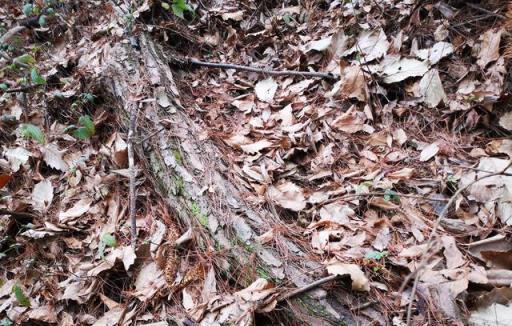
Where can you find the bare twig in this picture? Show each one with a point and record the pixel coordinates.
(10, 33)
(307, 287)
(263, 70)
(17, 215)
(22, 89)
(425, 256)
(131, 167)
(154, 133)
(382, 194)
(492, 13)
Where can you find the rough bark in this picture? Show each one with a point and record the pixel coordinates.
(190, 173)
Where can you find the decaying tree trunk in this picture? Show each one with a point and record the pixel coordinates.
(190, 173)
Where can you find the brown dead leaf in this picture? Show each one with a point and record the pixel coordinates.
(490, 48)
(350, 121)
(4, 180)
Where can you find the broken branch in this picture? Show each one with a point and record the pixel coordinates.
(265, 71)
(131, 164)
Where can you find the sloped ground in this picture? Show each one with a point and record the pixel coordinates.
(248, 182)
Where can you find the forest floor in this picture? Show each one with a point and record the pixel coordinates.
(372, 188)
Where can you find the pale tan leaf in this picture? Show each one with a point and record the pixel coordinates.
(17, 156)
(490, 47)
(359, 280)
(403, 69)
(266, 89)
(429, 152)
(42, 195)
(256, 147)
(79, 208)
(431, 89)
(287, 195)
(53, 157)
(506, 121)
(452, 254)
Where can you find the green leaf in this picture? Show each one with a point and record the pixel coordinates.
(390, 195)
(87, 128)
(109, 240)
(177, 11)
(42, 20)
(166, 6)
(27, 9)
(6, 322)
(82, 133)
(179, 7)
(26, 59)
(20, 296)
(30, 131)
(88, 97)
(36, 10)
(4, 86)
(36, 77)
(87, 122)
(106, 240)
(377, 255)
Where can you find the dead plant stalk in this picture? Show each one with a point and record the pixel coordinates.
(131, 167)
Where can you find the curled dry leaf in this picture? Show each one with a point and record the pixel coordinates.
(287, 195)
(429, 152)
(359, 280)
(350, 121)
(79, 208)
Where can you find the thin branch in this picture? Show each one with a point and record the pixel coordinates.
(10, 33)
(307, 287)
(492, 13)
(17, 215)
(131, 167)
(263, 70)
(425, 256)
(382, 194)
(22, 89)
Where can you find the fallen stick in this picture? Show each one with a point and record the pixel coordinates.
(425, 256)
(131, 164)
(265, 71)
(10, 33)
(307, 287)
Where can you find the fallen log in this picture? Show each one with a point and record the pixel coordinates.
(191, 175)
